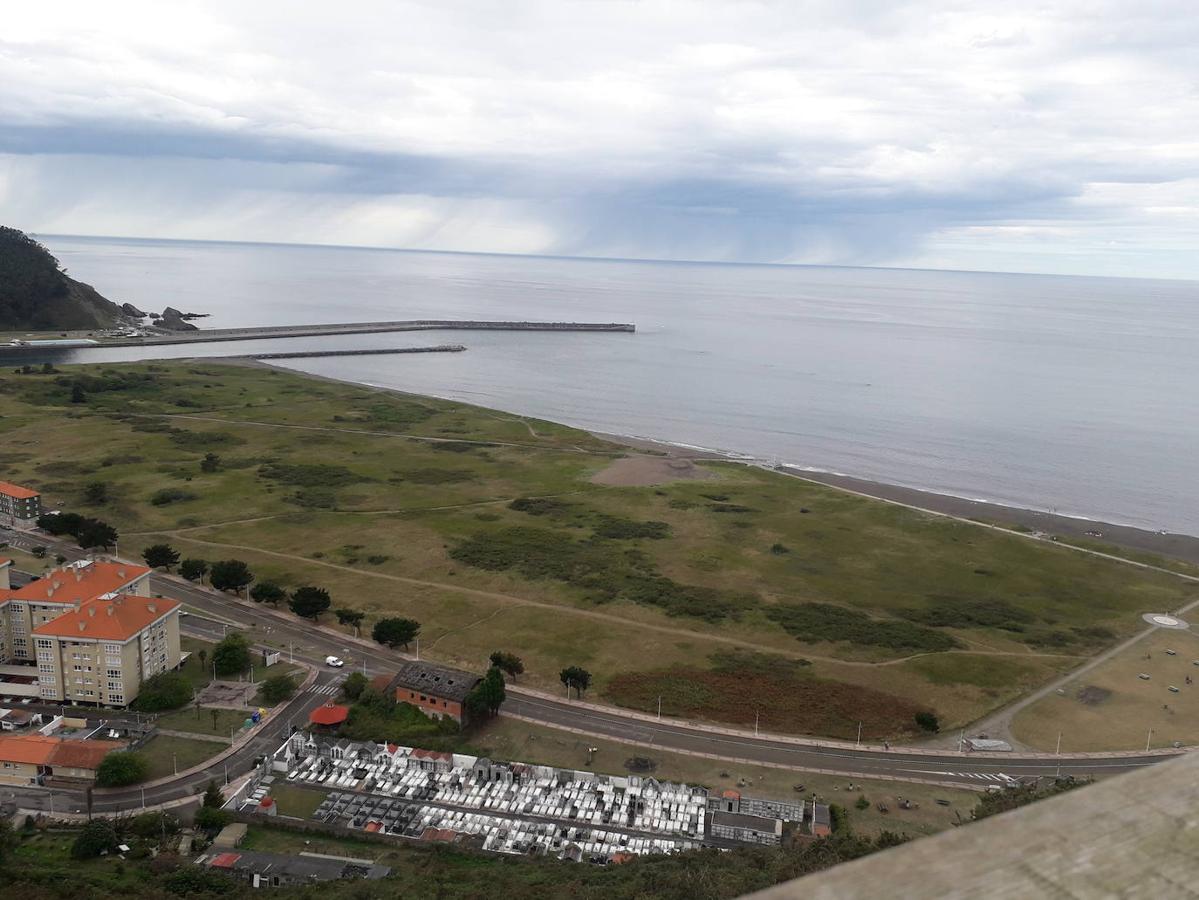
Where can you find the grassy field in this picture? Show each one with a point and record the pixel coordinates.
(510, 739)
(163, 752)
(203, 721)
(488, 529)
(1112, 708)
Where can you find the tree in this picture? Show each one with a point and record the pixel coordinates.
(309, 602)
(161, 556)
(62, 523)
(8, 838)
(353, 686)
(121, 768)
(230, 575)
(277, 688)
(393, 632)
(575, 677)
(96, 837)
(96, 493)
(508, 663)
(166, 690)
(232, 655)
(351, 617)
(77, 394)
(211, 819)
(210, 463)
(94, 533)
(212, 796)
(193, 569)
(490, 691)
(928, 721)
(267, 592)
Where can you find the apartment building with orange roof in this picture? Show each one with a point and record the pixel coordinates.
(59, 590)
(93, 632)
(19, 506)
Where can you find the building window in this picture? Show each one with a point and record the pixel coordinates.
(114, 685)
(114, 660)
(116, 698)
(114, 673)
(48, 679)
(112, 648)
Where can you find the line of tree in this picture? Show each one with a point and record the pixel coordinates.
(351, 617)
(87, 532)
(394, 632)
(230, 575)
(161, 556)
(193, 569)
(309, 602)
(508, 663)
(486, 697)
(267, 592)
(575, 677)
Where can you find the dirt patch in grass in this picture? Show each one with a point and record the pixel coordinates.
(784, 697)
(639, 471)
(1093, 695)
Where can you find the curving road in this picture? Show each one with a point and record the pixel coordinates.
(211, 613)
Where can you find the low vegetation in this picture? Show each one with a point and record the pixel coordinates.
(774, 693)
(490, 531)
(377, 717)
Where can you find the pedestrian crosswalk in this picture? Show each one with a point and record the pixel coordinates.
(329, 689)
(993, 777)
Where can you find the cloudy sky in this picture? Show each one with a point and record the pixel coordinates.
(1017, 136)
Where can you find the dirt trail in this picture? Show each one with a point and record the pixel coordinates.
(495, 596)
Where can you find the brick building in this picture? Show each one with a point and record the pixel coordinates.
(435, 690)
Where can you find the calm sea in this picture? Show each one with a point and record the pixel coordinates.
(1079, 395)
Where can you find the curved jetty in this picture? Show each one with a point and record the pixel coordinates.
(287, 331)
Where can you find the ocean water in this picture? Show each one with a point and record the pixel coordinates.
(1076, 395)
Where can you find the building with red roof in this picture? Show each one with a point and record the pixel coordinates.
(330, 715)
(19, 505)
(33, 758)
(92, 630)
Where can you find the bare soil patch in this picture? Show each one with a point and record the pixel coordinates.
(641, 471)
(1093, 695)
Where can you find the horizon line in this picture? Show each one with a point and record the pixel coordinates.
(573, 257)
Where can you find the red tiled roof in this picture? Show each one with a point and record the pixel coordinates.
(17, 491)
(225, 860)
(266, 803)
(329, 714)
(75, 585)
(40, 750)
(731, 795)
(82, 754)
(31, 749)
(430, 754)
(120, 618)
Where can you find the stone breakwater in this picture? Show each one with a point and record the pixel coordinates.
(287, 331)
(443, 348)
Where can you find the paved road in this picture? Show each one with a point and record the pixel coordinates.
(308, 644)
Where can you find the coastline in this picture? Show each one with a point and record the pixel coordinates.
(1181, 547)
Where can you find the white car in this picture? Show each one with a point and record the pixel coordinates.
(334, 662)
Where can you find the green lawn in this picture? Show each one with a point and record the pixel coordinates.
(203, 721)
(163, 752)
(617, 579)
(296, 802)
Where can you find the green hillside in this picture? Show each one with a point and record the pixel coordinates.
(36, 294)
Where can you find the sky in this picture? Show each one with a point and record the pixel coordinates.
(1016, 136)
